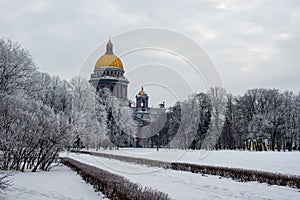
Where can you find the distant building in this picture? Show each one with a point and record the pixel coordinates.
(109, 73)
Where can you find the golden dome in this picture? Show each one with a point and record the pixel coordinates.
(142, 91)
(109, 59)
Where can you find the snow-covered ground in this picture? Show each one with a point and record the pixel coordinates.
(60, 183)
(186, 185)
(280, 162)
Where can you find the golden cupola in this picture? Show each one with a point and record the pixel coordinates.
(109, 59)
(142, 91)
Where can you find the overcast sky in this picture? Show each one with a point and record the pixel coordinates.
(252, 43)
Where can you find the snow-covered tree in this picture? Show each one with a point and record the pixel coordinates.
(226, 140)
(218, 103)
(204, 119)
(189, 120)
(16, 68)
(84, 114)
(34, 118)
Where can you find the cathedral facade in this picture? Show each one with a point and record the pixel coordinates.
(109, 73)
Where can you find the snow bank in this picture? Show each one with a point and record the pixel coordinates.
(59, 183)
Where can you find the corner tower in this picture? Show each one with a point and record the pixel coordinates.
(142, 100)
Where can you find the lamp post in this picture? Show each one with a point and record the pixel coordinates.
(157, 142)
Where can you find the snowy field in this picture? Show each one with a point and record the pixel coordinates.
(61, 183)
(280, 162)
(186, 185)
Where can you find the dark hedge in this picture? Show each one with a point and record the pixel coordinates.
(141, 161)
(234, 173)
(115, 187)
(241, 174)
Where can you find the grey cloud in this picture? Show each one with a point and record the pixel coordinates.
(60, 34)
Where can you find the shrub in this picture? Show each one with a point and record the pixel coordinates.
(4, 180)
(141, 161)
(241, 174)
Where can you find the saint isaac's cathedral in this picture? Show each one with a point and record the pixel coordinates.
(109, 73)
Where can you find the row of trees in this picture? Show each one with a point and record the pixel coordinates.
(34, 111)
(261, 119)
(40, 115)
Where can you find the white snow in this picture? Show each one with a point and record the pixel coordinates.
(186, 185)
(60, 183)
(279, 162)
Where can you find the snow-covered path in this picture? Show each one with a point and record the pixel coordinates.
(61, 183)
(186, 185)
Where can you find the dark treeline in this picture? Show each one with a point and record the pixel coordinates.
(260, 120)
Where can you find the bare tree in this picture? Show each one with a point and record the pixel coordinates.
(34, 112)
(84, 116)
(218, 102)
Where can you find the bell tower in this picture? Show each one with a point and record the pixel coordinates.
(142, 101)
